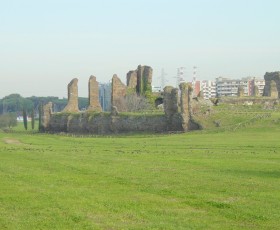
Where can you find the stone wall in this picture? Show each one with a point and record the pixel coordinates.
(171, 108)
(240, 91)
(131, 79)
(256, 92)
(273, 91)
(144, 79)
(249, 100)
(72, 105)
(46, 113)
(93, 96)
(140, 79)
(104, 123)
(177, 108)
(186, 108)
(175, 118)
(119, 91)
(269, 91)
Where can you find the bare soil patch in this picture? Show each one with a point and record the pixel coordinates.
(12, 141)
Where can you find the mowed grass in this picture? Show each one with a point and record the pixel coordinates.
(198, 180)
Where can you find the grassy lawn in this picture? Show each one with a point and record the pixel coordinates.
(221, 179)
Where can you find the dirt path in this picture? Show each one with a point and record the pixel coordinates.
(12, 141)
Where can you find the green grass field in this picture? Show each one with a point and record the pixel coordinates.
(222, 178)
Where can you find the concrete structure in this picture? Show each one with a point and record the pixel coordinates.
(229, 87)
(196, 88)
(208, 89)
(256, 82)
(157, 89)
(105, 91)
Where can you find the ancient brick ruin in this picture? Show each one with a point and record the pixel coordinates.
(240, 91)
(273, 91)
(272, 84)
(72, 105)
(131, 79)
(93, 91)
(46, 116)
(256, 92)
(144, 79)
(177, 114)
(118, 91)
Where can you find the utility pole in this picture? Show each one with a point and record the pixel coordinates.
(180, 76)
(194, 76)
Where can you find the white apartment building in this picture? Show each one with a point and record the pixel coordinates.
(208, 88)
(260, 83)
(229, 87)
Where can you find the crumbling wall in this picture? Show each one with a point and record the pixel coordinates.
(273, 91)
(240, 91)
(269, 89)
(171, 108)
(119, 91)
(187, 121)
(256, 92)
(93, 96)
(144, 79)
(170, 101)
(177, 117)
(105, 123)
(131, 79)
(45, 117)
(72, 105)
(140, 79)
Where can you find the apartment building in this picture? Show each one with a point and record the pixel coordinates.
(229, 87)
(260, 83)
(105, 90)
(208, 88)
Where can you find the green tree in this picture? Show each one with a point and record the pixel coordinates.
(40, 117)
(32, 119)
(8, 120)
(24, 114)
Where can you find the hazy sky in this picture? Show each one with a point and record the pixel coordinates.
(46, 43)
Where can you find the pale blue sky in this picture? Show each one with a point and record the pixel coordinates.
(44, 44)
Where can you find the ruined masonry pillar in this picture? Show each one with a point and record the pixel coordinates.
(72, 105)
(186, 92)
(170, 101)
(118, 91)
(93, 91)
(273, 91)
(46, 112)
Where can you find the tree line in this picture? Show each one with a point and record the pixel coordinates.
(15, 103)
